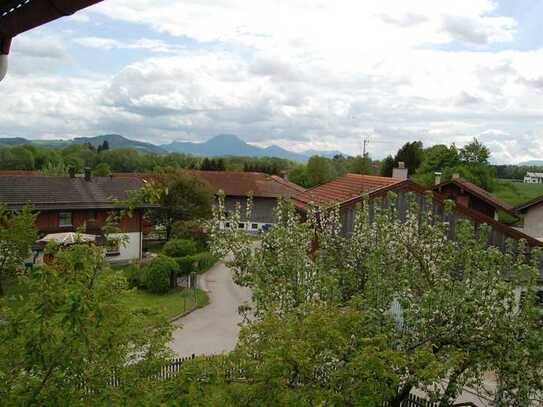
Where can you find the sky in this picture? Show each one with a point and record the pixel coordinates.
(301, 74)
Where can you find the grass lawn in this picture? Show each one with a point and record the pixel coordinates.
(173, 303)
(169, 305)
(516, 193)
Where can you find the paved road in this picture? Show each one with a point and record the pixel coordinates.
(213, 329)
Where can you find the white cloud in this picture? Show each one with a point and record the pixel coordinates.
(99, 42)
(143, 43)
(300, 74)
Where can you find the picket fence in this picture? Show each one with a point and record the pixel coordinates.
(170, 370)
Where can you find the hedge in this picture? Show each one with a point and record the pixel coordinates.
(180, 248)
(157, 275)
(197, 263)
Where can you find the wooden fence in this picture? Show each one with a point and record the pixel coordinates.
(170, 371)
(416, 401)
(498, 233)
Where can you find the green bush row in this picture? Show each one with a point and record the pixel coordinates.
(180, 248)
(196, 263)
(156, 276)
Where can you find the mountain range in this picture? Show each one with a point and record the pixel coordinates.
(532, 163)
(221, 145)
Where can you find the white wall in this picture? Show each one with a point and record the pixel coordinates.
(533, 222)
(130, 249)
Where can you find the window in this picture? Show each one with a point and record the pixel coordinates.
(112, 247)
(241, 225)
(65, 219)
(254, 226)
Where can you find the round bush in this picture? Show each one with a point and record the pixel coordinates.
(158, 274)
(192, 230)
(134, 276)
(180, 248)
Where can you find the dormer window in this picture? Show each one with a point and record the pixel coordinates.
(65, 219)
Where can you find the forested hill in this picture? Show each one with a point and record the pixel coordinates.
(218, 146)
(113, 141)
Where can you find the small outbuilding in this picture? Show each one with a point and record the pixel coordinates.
(533, 217)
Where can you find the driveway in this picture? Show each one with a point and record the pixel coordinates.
(213, 329)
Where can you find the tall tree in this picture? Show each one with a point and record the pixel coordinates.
(437, 158)
(319, 170)
(411, 154)
(387, 167)
(181, 196)
(474, 153)
(361, 165)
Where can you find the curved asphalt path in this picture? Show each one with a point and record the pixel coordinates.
(215, 328)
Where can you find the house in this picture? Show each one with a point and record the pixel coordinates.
(264, 189)
(533, 217)
(237, 187)
(469, 195)
(533, 178)
(69, 203)
(343, 192)
(344, 188)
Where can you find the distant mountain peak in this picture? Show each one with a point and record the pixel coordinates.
(220, 145)
(226, 137)
(230, 144)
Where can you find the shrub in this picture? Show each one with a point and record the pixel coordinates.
(192, 230)
(180, 248)
(134, 276)
(197, 263)
(204, 261)
(159, 273)
(185, 264)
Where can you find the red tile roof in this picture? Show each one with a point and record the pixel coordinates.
(244, 183)
(241, 184)
(345, 187)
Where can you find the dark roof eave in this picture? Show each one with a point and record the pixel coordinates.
(496, 203)
(527, 205)
(74, 206)
(21, 16)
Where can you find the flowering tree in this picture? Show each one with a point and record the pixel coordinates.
(449, 305)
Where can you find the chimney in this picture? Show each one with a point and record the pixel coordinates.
(87, 174)
(71, 172)
(400, 172)
(438, 178)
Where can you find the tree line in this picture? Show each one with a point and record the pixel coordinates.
(472, 162)
(103, 160)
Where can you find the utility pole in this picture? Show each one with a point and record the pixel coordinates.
(365, 141)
